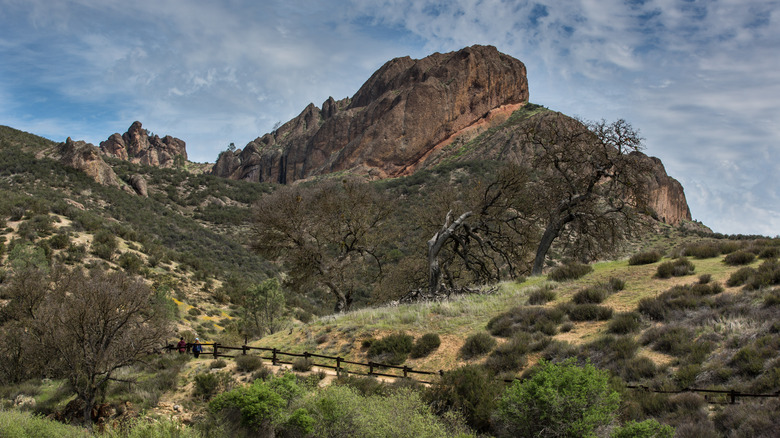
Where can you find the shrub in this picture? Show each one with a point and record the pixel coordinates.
(592, 295)
(740, 276)
(772, 298)
(616, 284)
(769, 252)
(526, 318)
(470, 390)
(130, 262)
(302, 364)
(739, 258)
(207, 385)
(729, 246)
(675, 268)
(194, 311)
(340, 411)
(654, 308)
(364, 385)
(570, 271)
(748, 420)
(510, 356)
(768, 274)
(247, 363)
(258, 405)
(425, 345)
(476, 345)
(638, 368)
(645, 258)
(218, 364)
(541, 296)
(59, 241)
(589, 312)
(646, 429)
(559, 400)
(625, 323)
(703, 250)
(674, 340)
(705, 278)
(392, 349)
(748, 361)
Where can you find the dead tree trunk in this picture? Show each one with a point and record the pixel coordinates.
(435, 244)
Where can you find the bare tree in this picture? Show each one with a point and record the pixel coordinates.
(325, 235)
(94, 323)
(587, 182)
(491, 238)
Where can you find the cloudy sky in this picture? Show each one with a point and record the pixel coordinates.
(699, 79)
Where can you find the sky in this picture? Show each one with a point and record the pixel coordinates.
(700, 80)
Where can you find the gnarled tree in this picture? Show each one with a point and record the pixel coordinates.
(325, 235)
(587, 182)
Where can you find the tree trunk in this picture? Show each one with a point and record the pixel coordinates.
(550, 234)
(435, 244)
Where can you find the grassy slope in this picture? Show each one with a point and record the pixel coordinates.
(457, 319)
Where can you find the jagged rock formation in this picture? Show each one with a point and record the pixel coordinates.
(86, 157)
(412, 114)
(139, 185)
(391, 124)
(667, 198)
(137, 146)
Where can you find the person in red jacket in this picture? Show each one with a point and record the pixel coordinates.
(182, 345)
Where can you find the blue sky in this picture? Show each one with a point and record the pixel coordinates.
(699, 79)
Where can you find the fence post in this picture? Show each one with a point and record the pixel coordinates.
(244, 348)
(441, 373)
(733, 396)
(406, 370)
(273, 359)
(216, 350)
(371, 368)
(338, 367)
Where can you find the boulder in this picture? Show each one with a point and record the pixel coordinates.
(86, 157)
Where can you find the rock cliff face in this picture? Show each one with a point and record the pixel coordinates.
(86, 157)
(391, 124)
(412, 114)
(138, 147)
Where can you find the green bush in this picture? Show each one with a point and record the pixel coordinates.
(703, 250)
(130, 262)
(340, 411)
(477, 345)
(570, 271)
(16, 424)
(257, 405)
(218, 364)
(425, 345)
(589, 312)
(670, 339)
(739, 258)
(729, 246)
(590, 295)
(541, 296)
(393, 349)
(740, 276)
(616, 284)
(302, 364)
(510, 356)
(768, 274)
(558, 400)
(645, 258)
(470, 390)
(748, 361)
(248, 363)
(646, 429)
(675, 268)
(528, 319)
(207, 385)
(59, 241)
(637, 369)
(625, 323)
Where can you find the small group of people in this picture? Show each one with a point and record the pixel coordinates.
(183, 347)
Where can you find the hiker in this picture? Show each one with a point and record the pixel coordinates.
(197, 348)
(182, 345)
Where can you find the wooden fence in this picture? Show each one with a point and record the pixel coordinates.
(375, 369)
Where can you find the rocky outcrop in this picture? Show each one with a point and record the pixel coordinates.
(86, 157)
(666, 196)
(391, 124)
(137, 146)
(138, 183)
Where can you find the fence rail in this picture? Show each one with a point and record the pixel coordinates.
(730, 394)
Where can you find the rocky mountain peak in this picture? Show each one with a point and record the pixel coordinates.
(138, 146)
(392, 123)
